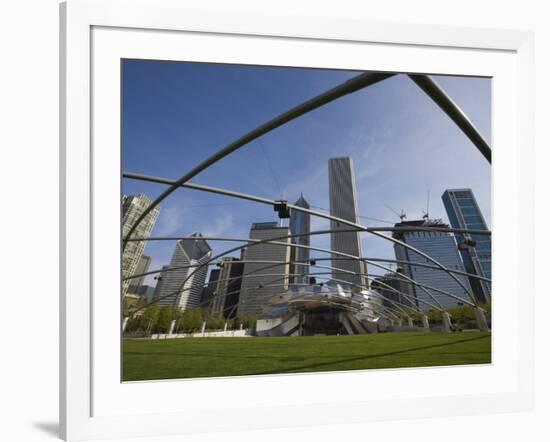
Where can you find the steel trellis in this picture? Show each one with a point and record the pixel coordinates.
(366, 259)
(424, 82)
(361, 81)
(356, 226)
(253, 242)
(349, 86)
(271, 241)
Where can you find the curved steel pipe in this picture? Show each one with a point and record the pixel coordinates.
(285, 276)
(322, 232)
(270, 202)
(357, 227)
(366, 259)
(410, 281)
(453, 111)
(354, 84)
(396, 304)
(394, 240)
(155, 301)
(271, 241)
(427, 266)
(429, 258)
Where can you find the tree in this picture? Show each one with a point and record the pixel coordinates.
(465, 316)
(196, 315)
(132, 327)
(178, 316)
(129, 305)
(186, 320)
(220, 321)
(248, 321)
(164, 320)
(191, 319)
(416, 317)
(434, 316)
(149, 318)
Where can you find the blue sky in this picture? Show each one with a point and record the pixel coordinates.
(175, 115)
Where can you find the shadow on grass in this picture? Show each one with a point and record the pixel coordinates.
(360, 358)
(190, 354)
(327, 360)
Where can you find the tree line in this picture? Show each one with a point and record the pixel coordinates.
(462, 316)
(153, 319)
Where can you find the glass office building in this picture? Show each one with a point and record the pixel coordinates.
(464, 213)
(441, 246)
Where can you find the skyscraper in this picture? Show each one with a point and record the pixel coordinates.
(160, 278)
(464, 213)
(343, 204)
(225, 298)
(208, 291)
(441, 246)
(182, 288)
(146, 291)
(255, 291)
(132, 207)
(381, 283)
(299, 225)
(142, 267)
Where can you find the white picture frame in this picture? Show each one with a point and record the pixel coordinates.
(92, 406)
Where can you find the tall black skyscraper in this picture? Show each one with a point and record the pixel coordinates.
(300, 225)
(227, 287)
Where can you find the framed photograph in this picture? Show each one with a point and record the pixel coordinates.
(288, 221)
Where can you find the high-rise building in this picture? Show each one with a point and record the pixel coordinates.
(343, 204)
(207, 295)
(384, 285)
(146, 292)
(255, 291)
(225, 299)
(182, 288)
(300, 225)
(160, 278)
(142, 267)
(464, 213)
(132, 208)
(440, 246)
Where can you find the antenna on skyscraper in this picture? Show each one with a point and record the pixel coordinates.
(401, 215)
(426, 215)
(428, 204)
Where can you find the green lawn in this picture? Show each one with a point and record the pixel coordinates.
(207, 357)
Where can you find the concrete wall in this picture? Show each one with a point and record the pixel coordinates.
(210, 334)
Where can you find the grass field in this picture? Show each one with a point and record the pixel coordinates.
(208, 357)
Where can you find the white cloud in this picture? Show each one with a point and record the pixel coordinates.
(170, 220)
(223, 225)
